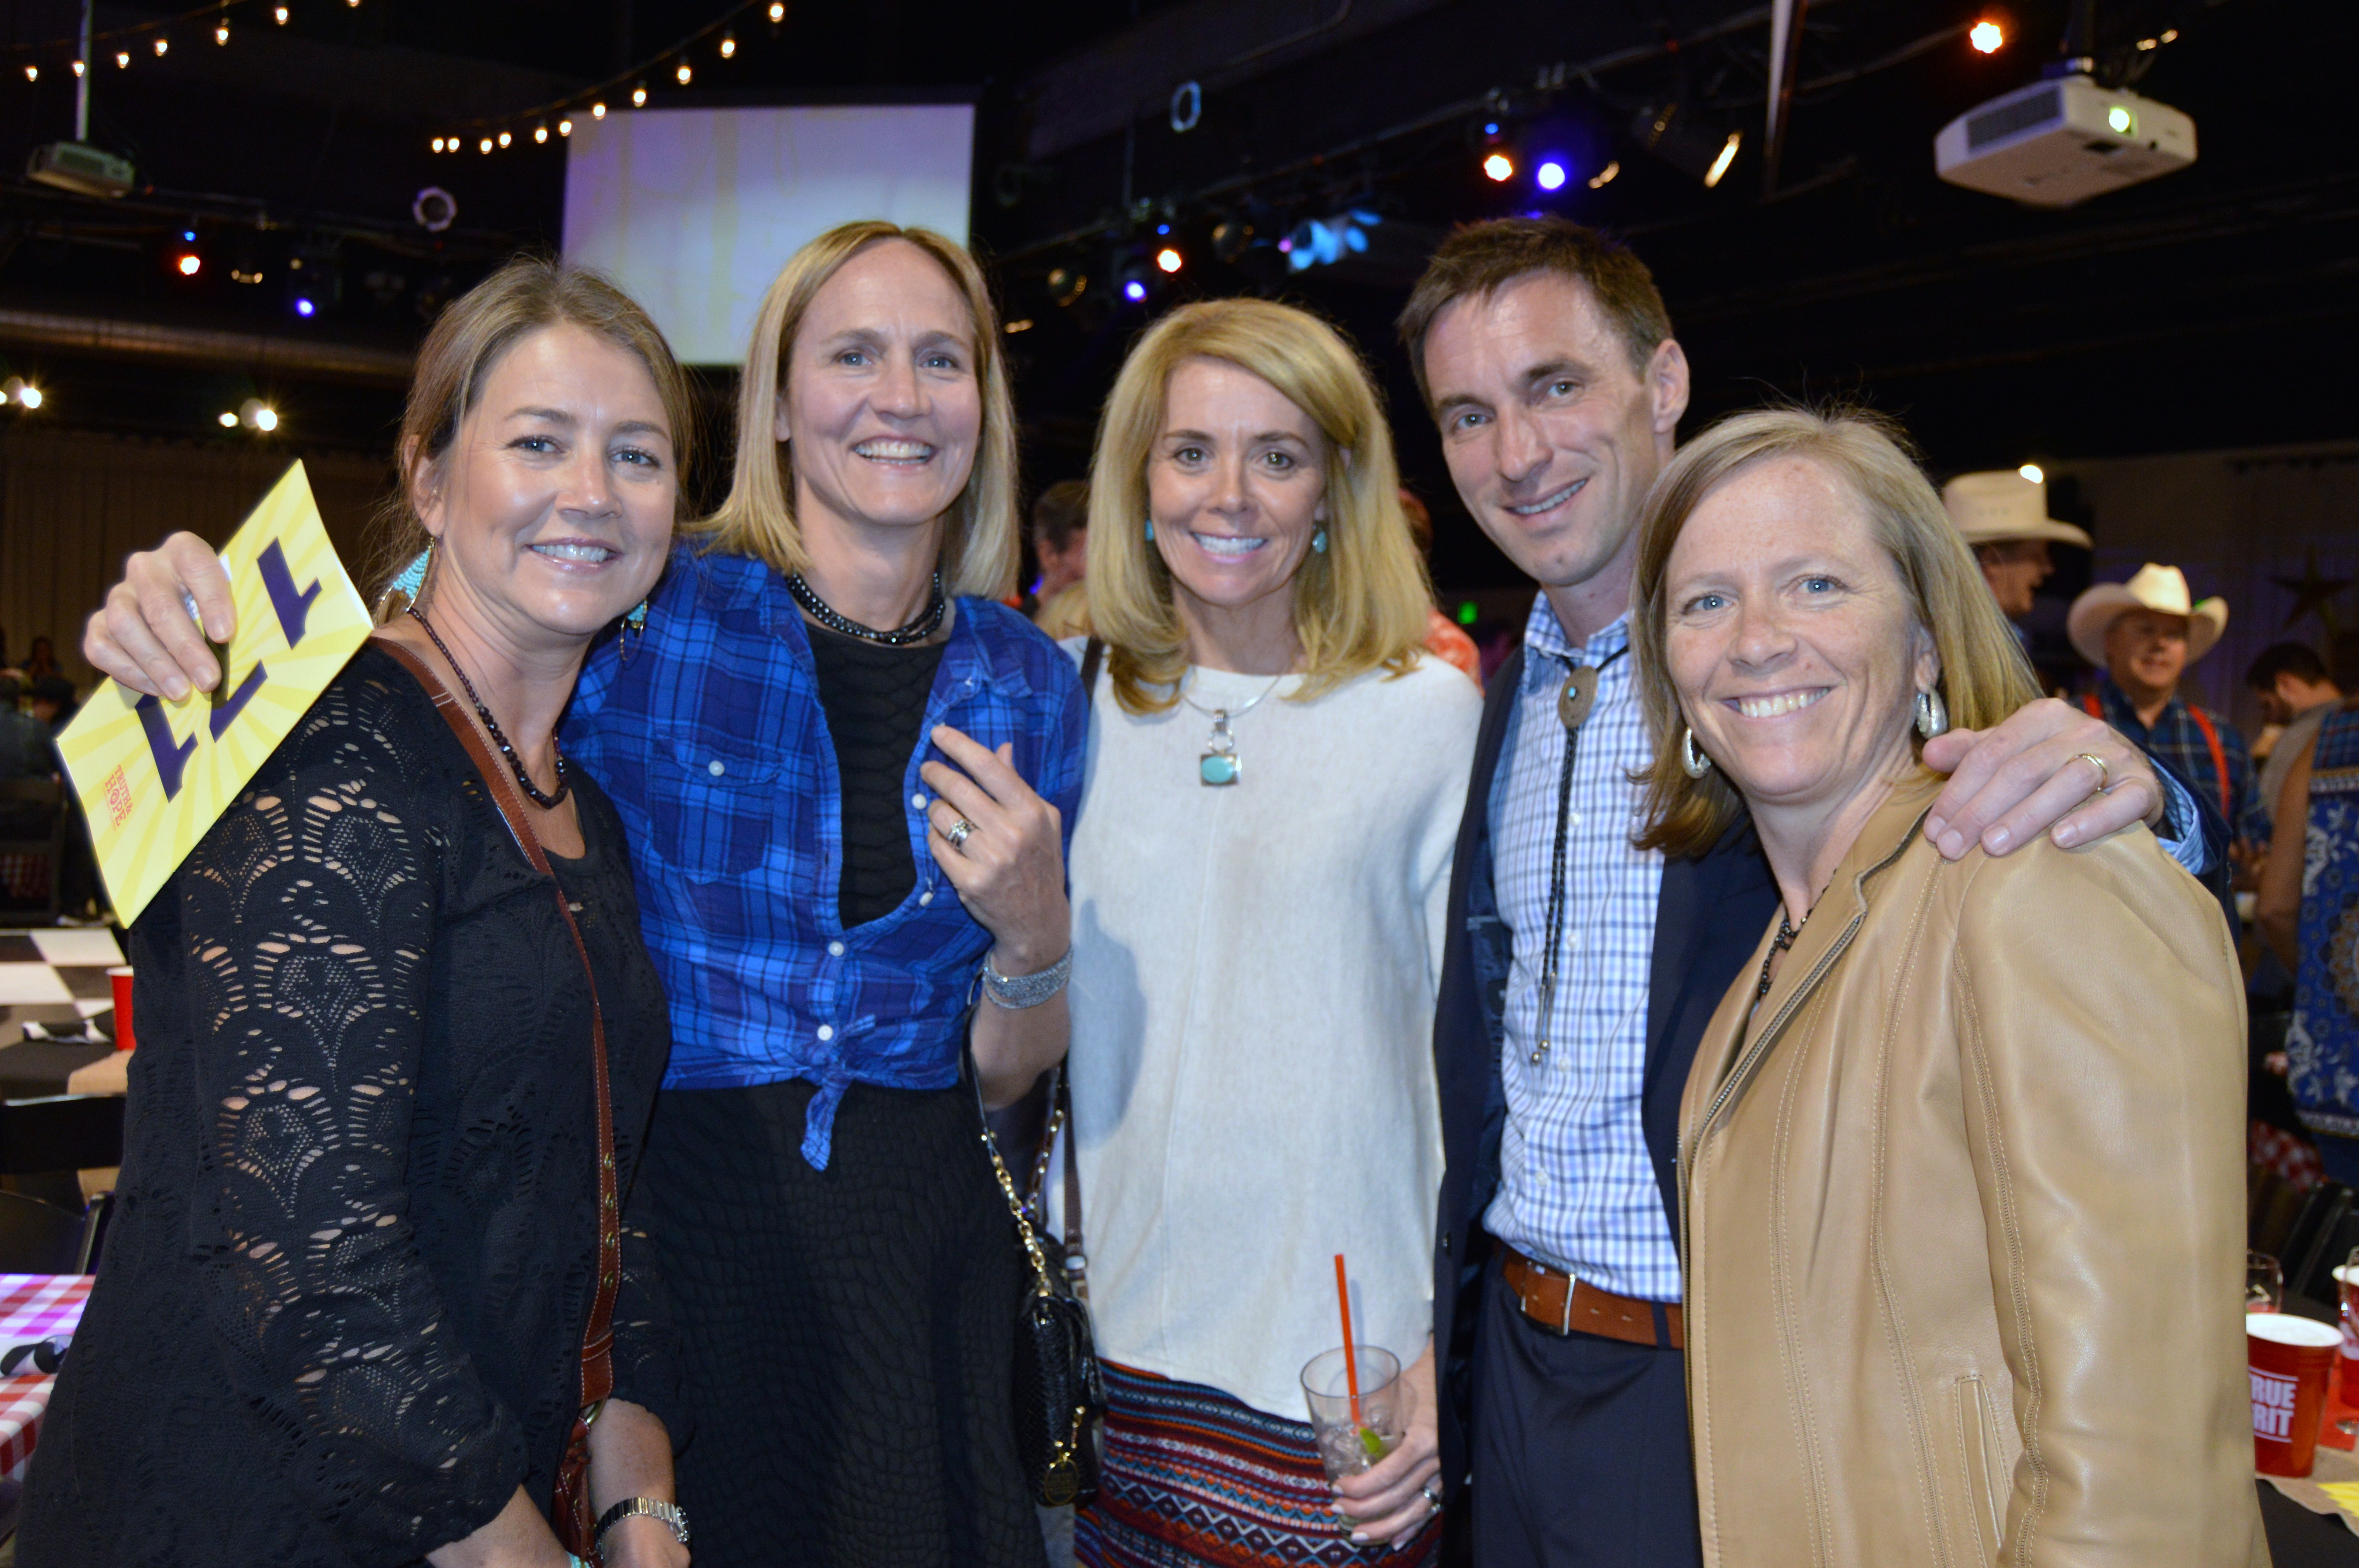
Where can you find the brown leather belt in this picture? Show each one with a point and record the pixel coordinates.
(1562, 1305)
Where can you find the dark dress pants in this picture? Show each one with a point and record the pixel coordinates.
(1579, 1450)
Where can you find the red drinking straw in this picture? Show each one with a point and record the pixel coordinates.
(1350, 1357)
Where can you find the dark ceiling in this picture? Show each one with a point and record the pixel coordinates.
(2214, 308)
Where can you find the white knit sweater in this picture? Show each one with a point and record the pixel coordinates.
(1254, 976)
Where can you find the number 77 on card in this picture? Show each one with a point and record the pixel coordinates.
(154, 776)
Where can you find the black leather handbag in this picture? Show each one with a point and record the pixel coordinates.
(1059, 1405)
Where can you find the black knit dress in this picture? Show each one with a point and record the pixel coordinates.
(340, 1316)
(880, 1294)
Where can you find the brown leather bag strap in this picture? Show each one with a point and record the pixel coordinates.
(571, 1513)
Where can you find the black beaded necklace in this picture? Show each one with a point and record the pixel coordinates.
(515, 764)
(928, 622)
(1782, 942)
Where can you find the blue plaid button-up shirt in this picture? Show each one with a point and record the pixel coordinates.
(2177, 740)
(1577, 1184)
(709, 736)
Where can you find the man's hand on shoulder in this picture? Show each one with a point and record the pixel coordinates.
(2034, 774)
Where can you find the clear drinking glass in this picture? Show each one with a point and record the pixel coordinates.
(2346, 1286)
(2264, 1284)
(1348, 1446)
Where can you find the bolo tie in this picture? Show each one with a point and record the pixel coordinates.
(1573, 701)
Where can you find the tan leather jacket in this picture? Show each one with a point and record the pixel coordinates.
(1964, 1221)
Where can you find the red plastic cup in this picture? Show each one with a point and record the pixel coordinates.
(120, 979)
(2289, 1359)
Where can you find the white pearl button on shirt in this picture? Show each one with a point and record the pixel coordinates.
(827, 1031)
(925, 898)
(717, 769)
(835, 949)
(918, 803)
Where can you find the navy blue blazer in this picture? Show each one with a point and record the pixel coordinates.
(1708, 920)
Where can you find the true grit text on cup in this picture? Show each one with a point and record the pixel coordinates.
(2272, 1402)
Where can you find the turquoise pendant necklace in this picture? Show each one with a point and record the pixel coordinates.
(1220, 764)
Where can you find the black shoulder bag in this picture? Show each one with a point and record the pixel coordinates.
(1060, 1403)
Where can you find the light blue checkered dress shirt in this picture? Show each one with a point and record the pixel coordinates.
(1577, 1185)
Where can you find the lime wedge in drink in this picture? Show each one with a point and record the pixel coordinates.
(1373, 1443)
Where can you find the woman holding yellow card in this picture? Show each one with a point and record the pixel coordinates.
(847, 771)
(367, 1268)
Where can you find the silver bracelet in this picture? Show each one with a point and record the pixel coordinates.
(671, 1516)
(1027, 990)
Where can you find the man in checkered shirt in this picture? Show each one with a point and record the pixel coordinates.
(1579, 972)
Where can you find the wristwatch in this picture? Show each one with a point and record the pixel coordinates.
(671, 1516)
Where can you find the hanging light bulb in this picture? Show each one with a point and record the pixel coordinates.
(777, 10)
(162, 45)
(683, 73)
(504, 138)
(597, 111)
(639, 96)
(438, 144)
(77, 68)
(32, 73)
(540, 133)
(728, 45)
(123, 59)
(278, 14)
(484, 145)
(565, 127)
(220, 31)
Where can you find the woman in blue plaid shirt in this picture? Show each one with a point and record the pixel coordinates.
(846, 772)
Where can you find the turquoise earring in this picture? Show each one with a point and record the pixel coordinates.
(1319, 542)
(1151, 530)
(412, 577)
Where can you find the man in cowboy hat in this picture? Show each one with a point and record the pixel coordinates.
(2142, 635)
(2003, 516)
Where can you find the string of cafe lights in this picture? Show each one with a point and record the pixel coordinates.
(557, 117)
(153, 37)
(532, 125)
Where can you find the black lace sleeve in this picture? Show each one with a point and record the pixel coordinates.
(310, 915)
(646, 1370)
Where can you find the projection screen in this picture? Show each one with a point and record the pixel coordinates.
(694, 211)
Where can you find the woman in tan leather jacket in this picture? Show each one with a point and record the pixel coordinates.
(1961, 1155)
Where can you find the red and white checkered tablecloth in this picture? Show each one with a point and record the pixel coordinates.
(32, 1306)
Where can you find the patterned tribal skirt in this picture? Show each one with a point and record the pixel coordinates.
(1194, 1477)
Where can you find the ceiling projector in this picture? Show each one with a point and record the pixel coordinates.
(2062, 141)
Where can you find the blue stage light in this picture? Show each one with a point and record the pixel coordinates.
(1550, 175)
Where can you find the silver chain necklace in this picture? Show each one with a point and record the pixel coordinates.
(1220, 764)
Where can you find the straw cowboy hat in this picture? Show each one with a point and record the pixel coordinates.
(2160, 589)
(1990, 507)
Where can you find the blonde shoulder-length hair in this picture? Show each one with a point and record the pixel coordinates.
(980, 533)
(1983, 673)
(1359, 605)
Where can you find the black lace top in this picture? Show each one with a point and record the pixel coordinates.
(340, 1311)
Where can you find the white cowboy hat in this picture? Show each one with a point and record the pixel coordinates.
(2160, 589)
(2003, 504)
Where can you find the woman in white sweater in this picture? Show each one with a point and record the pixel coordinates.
(1275, 779)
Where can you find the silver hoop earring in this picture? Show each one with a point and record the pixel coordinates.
(1932, 714)
(1696, 763)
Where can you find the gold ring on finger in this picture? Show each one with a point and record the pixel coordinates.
(2104, 774)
